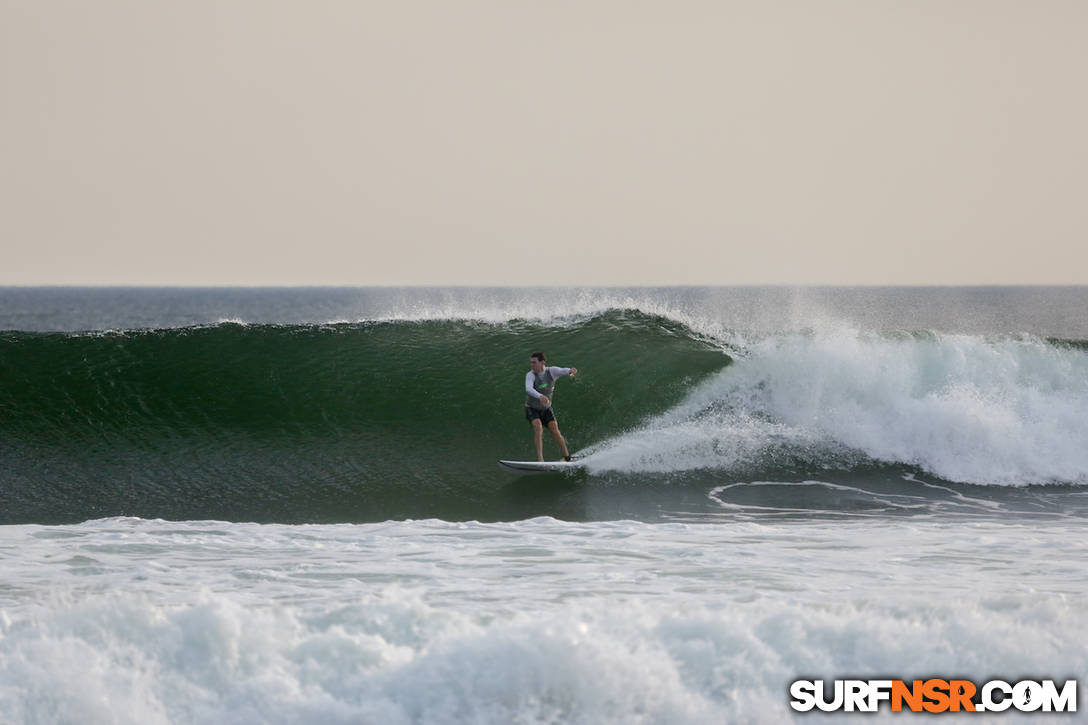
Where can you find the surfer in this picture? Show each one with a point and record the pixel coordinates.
(539, 382)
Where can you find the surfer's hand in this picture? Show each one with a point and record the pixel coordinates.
(545, 400)
(573, 372)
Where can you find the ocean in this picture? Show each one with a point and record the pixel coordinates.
(283, 505)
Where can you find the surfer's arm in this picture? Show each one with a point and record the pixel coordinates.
(562, 372)
(529, 385)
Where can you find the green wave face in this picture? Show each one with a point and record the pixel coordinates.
(313, 423)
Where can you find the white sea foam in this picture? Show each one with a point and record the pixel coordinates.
(136, 662)
(126, 621)
(965, 408)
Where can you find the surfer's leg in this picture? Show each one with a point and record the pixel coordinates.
(538, 439)
(554, 428)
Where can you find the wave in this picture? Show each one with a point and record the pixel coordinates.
(266, 422)
(405, 418)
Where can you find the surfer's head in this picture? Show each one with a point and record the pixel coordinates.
(536, 362)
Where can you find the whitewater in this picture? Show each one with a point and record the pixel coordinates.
(995, 411)
(537, 621)
(270, 505)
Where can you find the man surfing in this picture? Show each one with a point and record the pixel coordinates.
(539, 384)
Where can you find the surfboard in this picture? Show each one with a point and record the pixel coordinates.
(541, 465)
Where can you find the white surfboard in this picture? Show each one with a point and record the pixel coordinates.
(541, 465)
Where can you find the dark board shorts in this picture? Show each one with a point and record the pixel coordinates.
(544, 416)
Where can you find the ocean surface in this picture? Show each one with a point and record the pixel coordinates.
(283, 505)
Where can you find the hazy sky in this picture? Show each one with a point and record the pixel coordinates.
(551, 142)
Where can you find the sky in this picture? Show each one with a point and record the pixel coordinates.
(498, 142)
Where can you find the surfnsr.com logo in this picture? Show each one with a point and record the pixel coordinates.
(934, 695)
